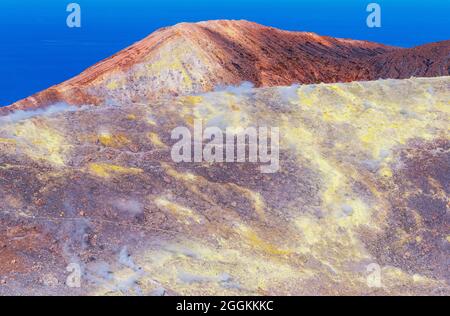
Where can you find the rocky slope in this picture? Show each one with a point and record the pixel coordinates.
(430, 60)
(359, 206)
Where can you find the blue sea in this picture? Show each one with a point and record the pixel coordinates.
(39, 50)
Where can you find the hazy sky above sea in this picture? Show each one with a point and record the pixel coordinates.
(38, 49)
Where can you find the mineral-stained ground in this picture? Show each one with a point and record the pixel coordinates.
(360, 205)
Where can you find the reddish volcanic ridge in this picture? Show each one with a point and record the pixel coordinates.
(194, 58)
